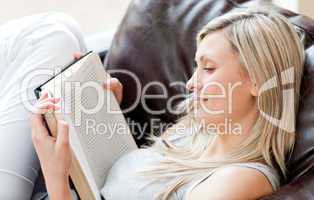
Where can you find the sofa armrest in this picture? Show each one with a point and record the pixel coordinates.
(301, 189)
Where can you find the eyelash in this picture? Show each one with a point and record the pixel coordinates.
(209, 69)
(206, 69)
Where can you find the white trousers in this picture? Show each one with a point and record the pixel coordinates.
(42, 41)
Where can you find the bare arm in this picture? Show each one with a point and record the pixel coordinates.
(54, 153)
(236, 183)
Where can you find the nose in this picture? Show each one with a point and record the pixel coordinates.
(193, 84)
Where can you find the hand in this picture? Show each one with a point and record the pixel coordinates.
(116, 87)
(54, 153)
(112, 84)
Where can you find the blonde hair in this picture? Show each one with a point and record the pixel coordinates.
(267, 44)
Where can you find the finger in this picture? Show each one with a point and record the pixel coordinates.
(63, 133)
(77, 55)
(46, 107)
(112, 84)
(43, 95)
(116, 87)
(47, 110)
(52, 100)
(38, 127)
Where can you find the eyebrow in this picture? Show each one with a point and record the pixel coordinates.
(205, 58)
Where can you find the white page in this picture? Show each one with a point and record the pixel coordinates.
(96, 149)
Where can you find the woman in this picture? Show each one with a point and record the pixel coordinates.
(243, 60)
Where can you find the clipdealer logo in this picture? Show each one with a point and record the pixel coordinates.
(286, 122)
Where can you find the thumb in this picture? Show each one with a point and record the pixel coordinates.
(63, 133)
(77, 55)
(37, 124)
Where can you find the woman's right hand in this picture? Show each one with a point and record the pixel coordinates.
(54, 153)
(112, 84)
(116, 87)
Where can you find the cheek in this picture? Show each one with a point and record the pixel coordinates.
(218, 88)
(241, 100)
(228, 96)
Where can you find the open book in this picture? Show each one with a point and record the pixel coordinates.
(99, 134)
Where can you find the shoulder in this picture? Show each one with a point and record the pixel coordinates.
(233, 181)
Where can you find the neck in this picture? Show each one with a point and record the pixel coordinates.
(227, 140)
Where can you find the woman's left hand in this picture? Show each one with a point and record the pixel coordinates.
(54, 153)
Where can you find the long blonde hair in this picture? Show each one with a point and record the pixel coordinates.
(267, 44)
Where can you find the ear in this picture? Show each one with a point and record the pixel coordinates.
(253, 89)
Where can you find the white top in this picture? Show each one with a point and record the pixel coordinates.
(124, 183)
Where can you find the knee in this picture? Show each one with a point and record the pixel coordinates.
(58, 30)
(14, 188)
(68, 24)
(53, 37)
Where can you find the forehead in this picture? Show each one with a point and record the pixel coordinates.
(214, 46)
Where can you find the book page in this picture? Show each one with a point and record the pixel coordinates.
(104, 133)
(99, 133)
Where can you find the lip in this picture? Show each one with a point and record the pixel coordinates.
(197, 98)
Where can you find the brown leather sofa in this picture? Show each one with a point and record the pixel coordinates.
(156, 41)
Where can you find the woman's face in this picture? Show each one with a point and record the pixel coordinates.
(222, 88)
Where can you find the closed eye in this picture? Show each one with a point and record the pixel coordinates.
(209, 69)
